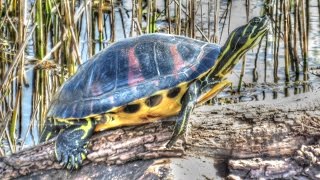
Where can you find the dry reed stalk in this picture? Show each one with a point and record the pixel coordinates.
(286, 34)
(178, 17)
(216, 21)
(295, 38)
(304, 41)
(255, 72)
(168, 15)
(209, 20)
(133, 16)
(243, 67)
(139, 12)
(100, 24)
(149, 9)
(112, 22)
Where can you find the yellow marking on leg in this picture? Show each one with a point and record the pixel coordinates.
(214, 91)
(85, 128)
(66, 121)
(48, 136)
(55, 149)
(183, 122)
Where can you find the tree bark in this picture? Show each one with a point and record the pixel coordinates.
(270, 139)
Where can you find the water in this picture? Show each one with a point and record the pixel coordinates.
(265, 88)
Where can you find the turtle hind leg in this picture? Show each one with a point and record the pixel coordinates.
(70, 146)
(49, 131)
(188, 102)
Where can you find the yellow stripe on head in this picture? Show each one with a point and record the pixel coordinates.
(239, 42)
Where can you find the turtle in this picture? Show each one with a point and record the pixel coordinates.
(140, 80)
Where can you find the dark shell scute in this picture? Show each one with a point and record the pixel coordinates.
(164, 58)
(145, 54)
(98, 83)
(187, 51)
(81, 109)
(122, 68)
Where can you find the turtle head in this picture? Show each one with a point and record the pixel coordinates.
(238, 43)
(247, 36)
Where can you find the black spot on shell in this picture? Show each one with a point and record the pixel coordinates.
(131, 108)
(153, 100)
(173, 92)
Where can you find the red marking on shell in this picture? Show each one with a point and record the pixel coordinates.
(177, 59)
(134, 74)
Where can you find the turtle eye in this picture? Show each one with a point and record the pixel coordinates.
(256, 20)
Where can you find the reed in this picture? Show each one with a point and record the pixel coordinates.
(244, 57)
(242, 73)
(295, 40)
(112, 23)
(265, 59)
(178, 16)
(168, 16)
(276, 27)
(255, 74)
(216, 21)
(285, 39)
(227, 13)
(304, 40)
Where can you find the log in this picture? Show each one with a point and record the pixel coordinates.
(111, 147)
(273, 137)
(304, 165)
(261, 128)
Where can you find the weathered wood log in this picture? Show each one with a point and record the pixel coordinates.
(304, 165)
(271, 131)
(113, 148)
(269, 128)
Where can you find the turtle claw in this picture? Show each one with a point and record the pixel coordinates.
(71, 159)
(64, 160)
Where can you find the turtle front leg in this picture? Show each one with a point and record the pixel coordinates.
(70, 146)
(188, 102)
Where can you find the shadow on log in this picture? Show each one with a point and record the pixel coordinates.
(275, 139)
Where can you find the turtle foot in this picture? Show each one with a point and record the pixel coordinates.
(70, 152)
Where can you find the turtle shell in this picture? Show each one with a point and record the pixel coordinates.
(129, 70)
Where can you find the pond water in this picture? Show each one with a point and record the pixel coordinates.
(263, 89)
